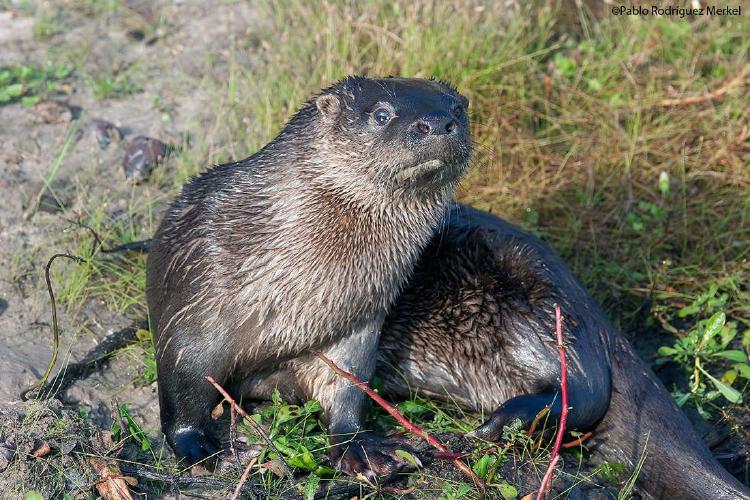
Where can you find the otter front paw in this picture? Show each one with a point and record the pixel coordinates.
(372, 456)
(193, 445)
(524, 408)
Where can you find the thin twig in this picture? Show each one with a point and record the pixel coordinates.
(555, 456)
(697, 99)
(539, 416)
(256, 427)
(414, 429)
(578, 441)
(243, 478)
(55, 330)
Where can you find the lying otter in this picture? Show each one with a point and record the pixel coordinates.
(476, 326)
(303, 246)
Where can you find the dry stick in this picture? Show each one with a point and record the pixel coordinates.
(55, 330)
(256, 427)
(245, 473)
(555, 457)
(711, 95)
(414, 429)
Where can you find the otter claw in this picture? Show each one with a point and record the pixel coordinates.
(375, 458)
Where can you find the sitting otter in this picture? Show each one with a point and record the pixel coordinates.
(303, 246)
(476, 326)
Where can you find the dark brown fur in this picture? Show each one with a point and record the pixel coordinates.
(476, 327)
(305, 245)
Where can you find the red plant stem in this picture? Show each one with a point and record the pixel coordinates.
(578, 441)
(555, 456)
(414, 429)
(245, 473)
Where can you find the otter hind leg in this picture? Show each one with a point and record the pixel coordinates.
(187, 398)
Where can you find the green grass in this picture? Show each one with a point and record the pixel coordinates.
(649, 204)
(29, 84)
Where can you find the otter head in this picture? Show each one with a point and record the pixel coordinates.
(398, 133)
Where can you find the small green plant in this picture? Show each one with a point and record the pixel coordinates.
(297, 433)
(614, 473)
(453, 491)
(28, 84)
(110, 86)
(708, 344)
(133, 428)
(46, 26)
(148, 373)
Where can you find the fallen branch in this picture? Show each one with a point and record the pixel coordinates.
(414, 429)
(555, 456)
(681, 101)
(256, 427)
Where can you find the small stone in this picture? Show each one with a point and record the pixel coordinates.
(67, 445)
(142, 154)
(7, 453)
(136, 35)
(104, 132)
(53, 112)
(48, 203)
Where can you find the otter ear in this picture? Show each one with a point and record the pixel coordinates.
(329, 107)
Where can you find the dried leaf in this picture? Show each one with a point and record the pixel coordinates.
(112, 485)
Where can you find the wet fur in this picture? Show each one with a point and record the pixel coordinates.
(304, 245)
(476, 327)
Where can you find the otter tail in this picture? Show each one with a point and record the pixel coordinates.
(642, 418)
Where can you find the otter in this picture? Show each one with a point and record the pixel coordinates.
(475, 326)
(303, 246)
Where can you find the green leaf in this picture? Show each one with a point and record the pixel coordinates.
(730, 394)
(733, 355)
(15, 90)
(311, 486)
(690, 310)
(507, 490)
(30, 100)
(681, 398)
(729, 376)
(743, 369)
(746, 339)
(412, 408)
(667, 351)
(414, 461)
(483, 465)
(33, 495)
(714, 325)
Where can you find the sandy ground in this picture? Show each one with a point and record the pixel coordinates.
(171, 66)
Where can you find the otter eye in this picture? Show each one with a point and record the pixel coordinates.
(458, 110)
(381, 116)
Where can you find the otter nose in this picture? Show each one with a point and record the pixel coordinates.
(436, 123)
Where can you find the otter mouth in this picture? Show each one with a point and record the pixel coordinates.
(420, 170)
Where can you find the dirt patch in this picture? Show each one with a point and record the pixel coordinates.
(181, 44)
